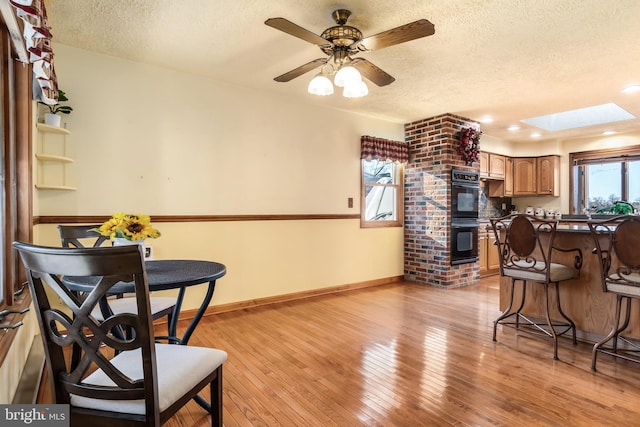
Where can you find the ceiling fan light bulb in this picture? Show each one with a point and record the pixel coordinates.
(347, 75)
(320, 85)
(355, 90)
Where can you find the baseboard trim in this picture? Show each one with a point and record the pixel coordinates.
(240, 305)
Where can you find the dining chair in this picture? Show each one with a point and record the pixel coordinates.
(527, 253)
(108, 380)
(617, 244)
(80, 236)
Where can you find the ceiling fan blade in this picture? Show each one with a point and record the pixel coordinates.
(401, 34)
(372, 72)
(296, 31)
(296, 72)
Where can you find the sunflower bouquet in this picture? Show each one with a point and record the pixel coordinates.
(129, 226)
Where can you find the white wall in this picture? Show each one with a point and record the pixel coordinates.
(152, 140)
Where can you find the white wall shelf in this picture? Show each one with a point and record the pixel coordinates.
(52, 158)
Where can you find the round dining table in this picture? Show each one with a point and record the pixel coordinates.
(164, 275)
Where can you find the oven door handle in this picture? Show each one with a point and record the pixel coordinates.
(473, 186)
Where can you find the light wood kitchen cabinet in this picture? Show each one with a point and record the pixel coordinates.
(487, 252)
(482, 252)
(492, 165)
(493, 257)
(484, 163)
(496, 166)
(548, 173)
(508, 177)
(524, 176)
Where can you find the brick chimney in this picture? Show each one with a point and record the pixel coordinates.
(427, 201)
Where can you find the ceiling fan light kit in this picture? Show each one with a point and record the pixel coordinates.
(346, 75)
(340, 43)
(355, 90)
(320, 85)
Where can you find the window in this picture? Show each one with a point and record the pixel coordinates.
(15, 167)
(601, 178)
(382, 176)
(381, 204)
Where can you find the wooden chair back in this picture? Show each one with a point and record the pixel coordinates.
(80, 236)
(91, 342)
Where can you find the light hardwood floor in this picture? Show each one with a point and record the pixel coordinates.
(405, 355)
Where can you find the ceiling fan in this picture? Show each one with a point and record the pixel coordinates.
(341, 42)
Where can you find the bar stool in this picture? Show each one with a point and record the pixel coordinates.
(526, 248)
(617, 243)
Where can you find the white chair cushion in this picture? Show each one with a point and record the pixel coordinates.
(624, 288)
(128, 305)
(557, 272)
(179, 368)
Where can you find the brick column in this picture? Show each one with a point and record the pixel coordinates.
(427, 201)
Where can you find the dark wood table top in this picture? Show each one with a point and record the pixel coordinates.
(161, 275)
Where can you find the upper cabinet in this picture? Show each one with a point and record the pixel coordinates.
(524, 176)
(492, 165)
(484, 163)
(508, 177)
(520, 176)
(548, 176)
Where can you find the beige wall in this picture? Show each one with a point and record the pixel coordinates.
(152, 140)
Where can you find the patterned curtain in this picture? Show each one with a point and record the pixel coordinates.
(37, 39)
(383, 149)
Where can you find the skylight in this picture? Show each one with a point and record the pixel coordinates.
(589, 116)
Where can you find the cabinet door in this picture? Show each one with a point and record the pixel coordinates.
(524, 176)
(493, 257)
(484, 163)
(482, 251)
(496, 166)
(548, 175)
(508, 177)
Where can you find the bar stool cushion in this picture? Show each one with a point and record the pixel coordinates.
(624, 288)
(557, 272)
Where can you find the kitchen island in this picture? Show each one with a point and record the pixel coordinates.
(583, 298)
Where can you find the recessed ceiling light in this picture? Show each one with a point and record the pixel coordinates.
(589, 116)
(608, 132)
(536, 135)
(486, 119)
(513, 128)
(631, 88)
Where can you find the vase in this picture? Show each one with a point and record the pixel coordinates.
(52, 119)
(121, 241)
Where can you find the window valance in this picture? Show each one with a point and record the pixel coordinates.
(383, 149)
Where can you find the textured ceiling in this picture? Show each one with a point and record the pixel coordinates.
(510, 59)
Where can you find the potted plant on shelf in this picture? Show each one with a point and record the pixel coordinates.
(52, 118)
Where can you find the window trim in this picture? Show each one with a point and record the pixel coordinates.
(605, 155)
(16, 144)
(399, 185)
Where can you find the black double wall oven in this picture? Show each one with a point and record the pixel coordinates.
(465, 195)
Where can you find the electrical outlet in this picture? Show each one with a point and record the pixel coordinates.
(350, 202)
